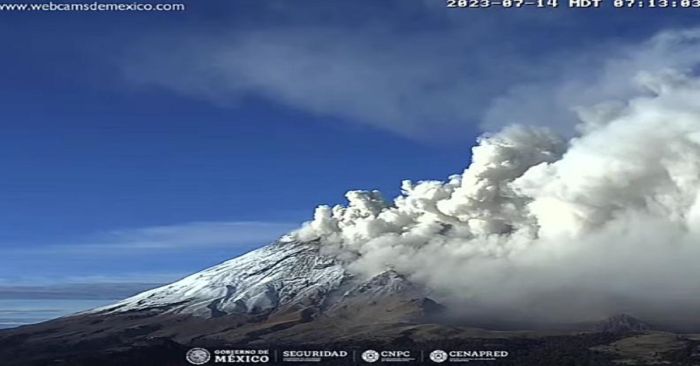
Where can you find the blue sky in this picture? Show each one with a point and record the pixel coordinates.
(138, 148)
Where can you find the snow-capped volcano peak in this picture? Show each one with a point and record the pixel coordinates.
(284, 273)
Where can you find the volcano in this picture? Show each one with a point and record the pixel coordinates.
(491, 247)
(286, 294)
(291, 294)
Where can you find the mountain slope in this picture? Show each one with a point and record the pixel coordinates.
(287, 292)
(268, 279)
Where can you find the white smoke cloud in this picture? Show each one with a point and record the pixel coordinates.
(549, 230)
(606, 76)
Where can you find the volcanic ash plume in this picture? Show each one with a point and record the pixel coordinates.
(550, 230)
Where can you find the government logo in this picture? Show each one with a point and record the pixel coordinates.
(198, 356)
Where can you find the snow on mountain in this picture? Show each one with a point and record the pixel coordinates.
(285, 273)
